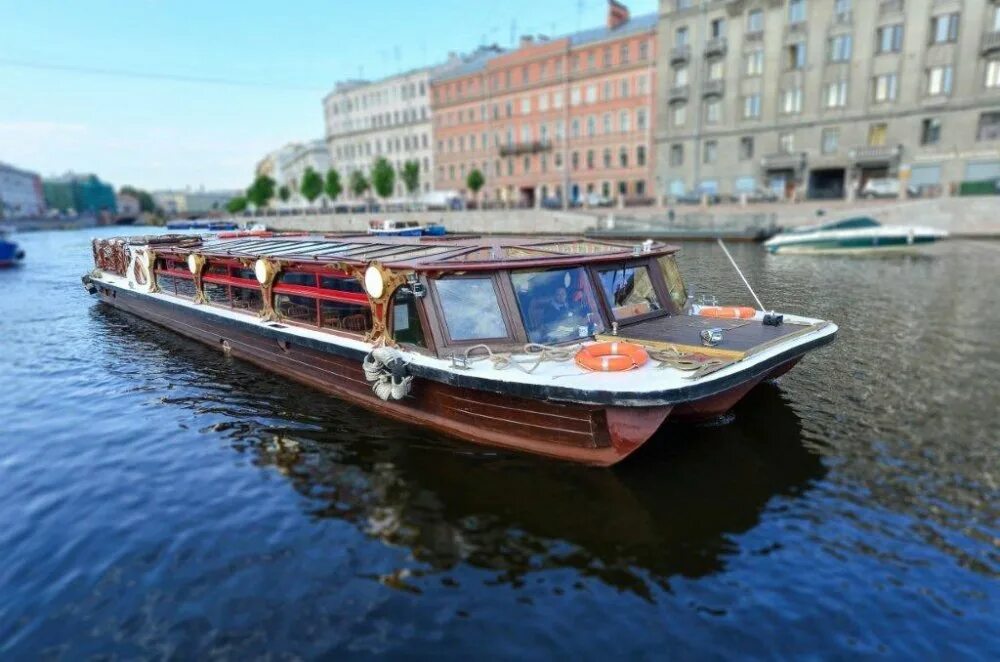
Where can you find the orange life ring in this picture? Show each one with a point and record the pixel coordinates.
(728, 312)
(611, 356)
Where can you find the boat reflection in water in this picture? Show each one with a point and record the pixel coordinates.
(451, 504)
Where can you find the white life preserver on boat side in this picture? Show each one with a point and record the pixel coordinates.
(140, 270)
(386, 369)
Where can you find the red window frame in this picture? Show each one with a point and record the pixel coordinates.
(320, 294)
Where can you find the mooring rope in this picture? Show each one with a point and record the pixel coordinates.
(541, 354)
(671, 357)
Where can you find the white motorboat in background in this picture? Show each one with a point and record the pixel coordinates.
(857, 234)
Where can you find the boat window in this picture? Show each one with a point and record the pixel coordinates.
(217, 269)
(296, 308)
(675, 283)
(345, 316)
(341, 283)
(297, 278)
(173, 285)
(471, 308)
(244, 273)
(246, 298)
(406, 327)
(557, 305)
(217, 294)
(629, 291)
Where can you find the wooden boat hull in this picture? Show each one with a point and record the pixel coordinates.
(594, 434)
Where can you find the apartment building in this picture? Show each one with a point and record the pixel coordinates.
(389, 118)
(811, 98)
(20, 193)
(553, 120)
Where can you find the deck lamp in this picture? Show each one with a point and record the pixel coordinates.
(260, 270)
(193, 263)
(374, 283)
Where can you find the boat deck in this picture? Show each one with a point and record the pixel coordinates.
(739, 337)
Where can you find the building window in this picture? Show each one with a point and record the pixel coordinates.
(525, 105)
(830, 141)
(590, 159)
(746, 148)
(993, 72)
(574, 128)
(591, 94)
(797, 55)
(680, 76)
(623, 157)
(755, 21)
(877, 134)
(791, 101)
(751, 106)
(607, 57)
(607, 123)
(713, 110)
(607, 157)
(591, 126)
(755, 62)
(889, 39)
(711, 151)
(644, 50)
(839, 48)
(944, 28)
(716, 69)
(640, 155)
(989, 126)
(640, 119)
(623, 121)
(930, 131)
(835, 94)
(842, 8)
(796, 11)
(677, 155)
(939, 81)
(679, 114)
(624, 54)
(718, 28)
(624, 88)
(681, 37)
(884, 88)
(591, 60)
(786, 142)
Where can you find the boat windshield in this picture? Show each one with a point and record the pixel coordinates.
(557, 305)
(675, 283)
(856, 223)
(629, 291)
(471, 308)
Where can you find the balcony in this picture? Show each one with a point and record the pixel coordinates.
(714, 47)
(753, 37)
(678, 93)
(784, 161)
(886, 7)
(991, 42)
(529, 147)
(843, 18)
(713, 88)
(680, 54)
(875, 153)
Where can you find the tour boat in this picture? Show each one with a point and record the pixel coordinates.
(859, 234)
(391, 228)
(571, 348)
(11, 254)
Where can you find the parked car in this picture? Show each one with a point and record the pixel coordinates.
(597, 200)
(760, 194)
(885, 187)
(695, 197)
(552, 202)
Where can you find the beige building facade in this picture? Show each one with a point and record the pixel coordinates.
(813, 98)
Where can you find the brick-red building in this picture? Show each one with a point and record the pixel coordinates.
(554, 119)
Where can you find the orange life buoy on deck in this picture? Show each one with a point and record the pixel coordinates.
(728, 312)
(611, 356)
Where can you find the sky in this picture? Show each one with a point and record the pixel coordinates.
(218, 84)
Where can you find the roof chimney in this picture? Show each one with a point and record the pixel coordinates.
(527, 40)
(617, 14)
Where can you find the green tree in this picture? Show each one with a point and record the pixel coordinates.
(358, 183)
(284, 193)
(236, 205)
(383, 178)
(411, 176)
(312, 184)
(146, 202)
(475, 181)
(261, 191)
(332, 187)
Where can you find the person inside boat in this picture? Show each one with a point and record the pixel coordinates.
(561, 316)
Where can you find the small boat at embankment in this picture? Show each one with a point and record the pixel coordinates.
(565, 347)
(11, 254)
(853, 235)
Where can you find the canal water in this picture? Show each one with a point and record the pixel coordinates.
(158, 499)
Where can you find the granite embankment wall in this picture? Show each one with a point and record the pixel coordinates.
(963, 217)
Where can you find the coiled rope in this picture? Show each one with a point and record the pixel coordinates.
(671, 357)
(537, 353)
